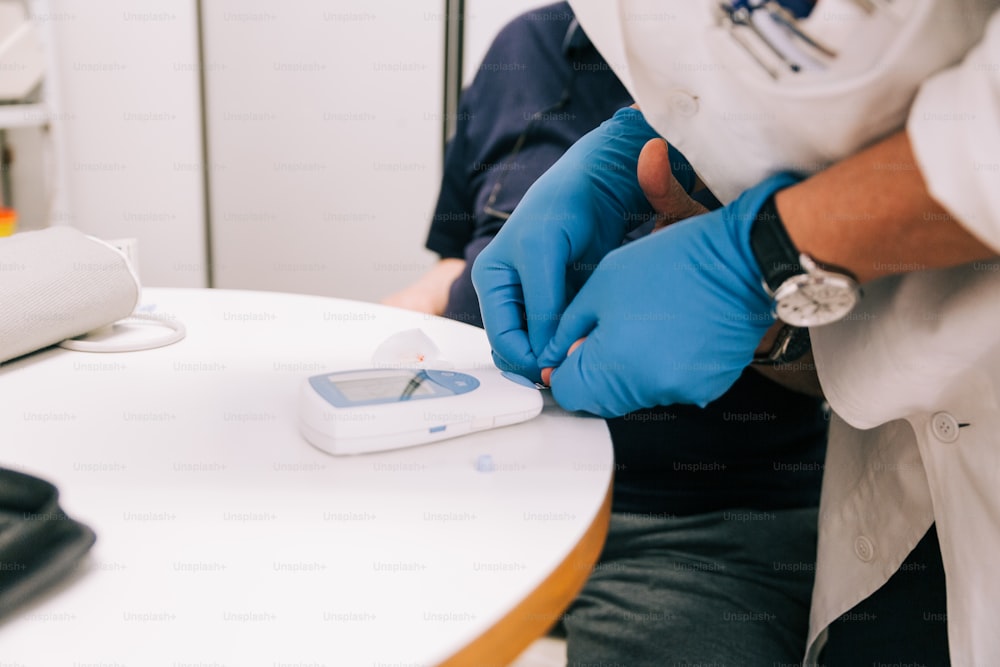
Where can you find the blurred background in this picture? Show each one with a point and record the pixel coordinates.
(250, 144)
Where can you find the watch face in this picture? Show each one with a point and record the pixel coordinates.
(812, 301)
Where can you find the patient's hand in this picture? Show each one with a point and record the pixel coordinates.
(664, 192)
(429, 294)
(662, 188)
(672, 204)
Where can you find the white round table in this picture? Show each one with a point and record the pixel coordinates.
(224, 538)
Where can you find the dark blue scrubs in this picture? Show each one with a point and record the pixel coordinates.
(542, 84)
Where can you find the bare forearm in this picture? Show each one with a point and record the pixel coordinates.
(872, 214)
(429, 294)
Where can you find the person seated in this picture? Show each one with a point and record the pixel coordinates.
(711, 546)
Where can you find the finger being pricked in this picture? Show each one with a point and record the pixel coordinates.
(547, 371)
(584, 383)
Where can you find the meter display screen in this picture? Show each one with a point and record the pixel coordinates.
(397, 386)
(375, 386)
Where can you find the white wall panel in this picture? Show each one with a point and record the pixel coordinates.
(130, 121)
(324, 125)
(324, 134)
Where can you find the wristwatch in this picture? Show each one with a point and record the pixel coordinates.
(791, 344)
(805, 293)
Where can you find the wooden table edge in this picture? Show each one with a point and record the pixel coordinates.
(543, 607)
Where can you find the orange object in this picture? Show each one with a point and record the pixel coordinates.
(8, 221)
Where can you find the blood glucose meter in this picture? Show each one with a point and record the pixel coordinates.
(370, 410)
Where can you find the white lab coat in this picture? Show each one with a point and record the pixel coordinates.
(913, 376)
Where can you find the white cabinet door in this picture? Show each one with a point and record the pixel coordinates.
(324, 128)
(130, 126)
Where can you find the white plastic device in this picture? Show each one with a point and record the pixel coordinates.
(375, 409)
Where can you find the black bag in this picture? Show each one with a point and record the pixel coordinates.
(39, 544)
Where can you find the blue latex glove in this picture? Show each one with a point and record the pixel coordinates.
(574, 214)
(674, 317)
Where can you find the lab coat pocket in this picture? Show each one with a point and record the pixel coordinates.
(852, 73)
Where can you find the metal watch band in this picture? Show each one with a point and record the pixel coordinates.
(773, 249)
(791, 344)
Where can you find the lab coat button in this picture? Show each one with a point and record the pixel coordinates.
(684, 103)
(944, 426)
(864, 549)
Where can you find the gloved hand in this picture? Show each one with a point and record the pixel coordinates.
(674, 317)
(576, 213)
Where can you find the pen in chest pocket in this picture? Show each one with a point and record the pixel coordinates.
(769, 31)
